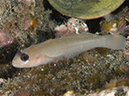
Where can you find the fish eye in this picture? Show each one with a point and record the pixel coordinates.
(24, 57)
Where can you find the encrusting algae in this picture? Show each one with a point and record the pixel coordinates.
(16, 32)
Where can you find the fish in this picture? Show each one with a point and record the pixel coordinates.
(64, 47)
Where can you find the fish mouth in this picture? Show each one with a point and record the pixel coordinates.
(20, 60)
(15, 61)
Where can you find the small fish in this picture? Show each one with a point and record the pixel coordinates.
(64, 47)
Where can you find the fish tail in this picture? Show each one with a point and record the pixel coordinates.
(115, 41)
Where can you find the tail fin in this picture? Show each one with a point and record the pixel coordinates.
(115, 41)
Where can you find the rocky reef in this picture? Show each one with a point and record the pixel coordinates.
(92, 72)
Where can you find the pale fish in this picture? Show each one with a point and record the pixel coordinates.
(65, 47)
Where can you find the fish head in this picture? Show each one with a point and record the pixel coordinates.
(26, 59)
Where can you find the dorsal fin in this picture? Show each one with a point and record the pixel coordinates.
(87, 35)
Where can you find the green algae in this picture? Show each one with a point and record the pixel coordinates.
(32, 3)
(102, 51)
(30, 8)
(85, 9)
(41, 93)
